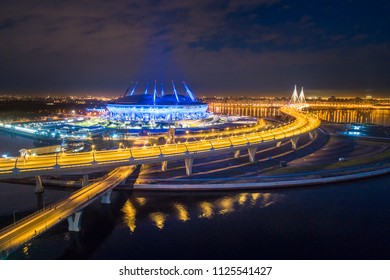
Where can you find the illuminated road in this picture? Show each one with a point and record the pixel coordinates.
(225, 132)
(66, 163)
(18, 233)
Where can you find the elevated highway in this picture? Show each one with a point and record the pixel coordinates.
(88, 162)
(122, 162)
(15, 235)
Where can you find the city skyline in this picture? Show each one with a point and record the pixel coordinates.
(220, 47)
(195, 138)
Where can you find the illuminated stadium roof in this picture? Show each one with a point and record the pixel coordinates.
(157, 94)
(147, 99)
(157, 102)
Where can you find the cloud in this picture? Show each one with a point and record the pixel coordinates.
(220, 45)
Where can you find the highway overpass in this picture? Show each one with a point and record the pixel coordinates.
(70, 208)
(123, 162)
(89, 162)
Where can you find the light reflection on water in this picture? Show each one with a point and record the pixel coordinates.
(129, 213)
(244, 110)
(376, 116)
(324, 222)
(182, 212)
(242, 198)
(158, 219)
(25, 249)
(225, 205)
(138, 206)
(141, 200)
(206, 210)
(139, 211)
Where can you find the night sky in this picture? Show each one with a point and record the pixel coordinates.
(220, 47)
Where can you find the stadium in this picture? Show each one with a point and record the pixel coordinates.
(155, 103)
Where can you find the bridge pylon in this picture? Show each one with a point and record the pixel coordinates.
(294, 142)
(295, 97)
(252, 154)
(301, 97)
(106, 198)
(74, 221)
(164, 166)
(188, 163)
(38, 185)
(85, 180)
(298, 101)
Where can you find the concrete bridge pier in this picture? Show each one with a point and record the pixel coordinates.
(189, 162)
(252, 153)
(106, 198)
(74, 221)
(38, 185)
(236, 154)
(85, 180)
(294, 142)
(40, 200)
(143, 167)
(4, 254)
(164, 166)
(312, 134)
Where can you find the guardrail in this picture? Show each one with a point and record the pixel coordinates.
(8, 243)
(302, 123)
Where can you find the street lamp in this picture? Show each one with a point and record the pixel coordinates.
(93, 155)
(14, 215)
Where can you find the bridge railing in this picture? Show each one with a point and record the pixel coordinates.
(302, 123)
(20, 221)
(8, 244)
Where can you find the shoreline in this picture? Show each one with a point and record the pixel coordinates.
(261, 185)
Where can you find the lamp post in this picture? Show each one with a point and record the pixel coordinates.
(62, 153)
(93, 155)
(14, 215)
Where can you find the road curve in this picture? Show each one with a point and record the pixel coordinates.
(62, 163)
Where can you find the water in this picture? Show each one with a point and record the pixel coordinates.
(343, 221)
(11, 144)
(375, 116)
(261, 112)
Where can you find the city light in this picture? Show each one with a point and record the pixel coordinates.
(252, 134)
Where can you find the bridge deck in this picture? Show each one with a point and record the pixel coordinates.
(62, 163)
(18, 233)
